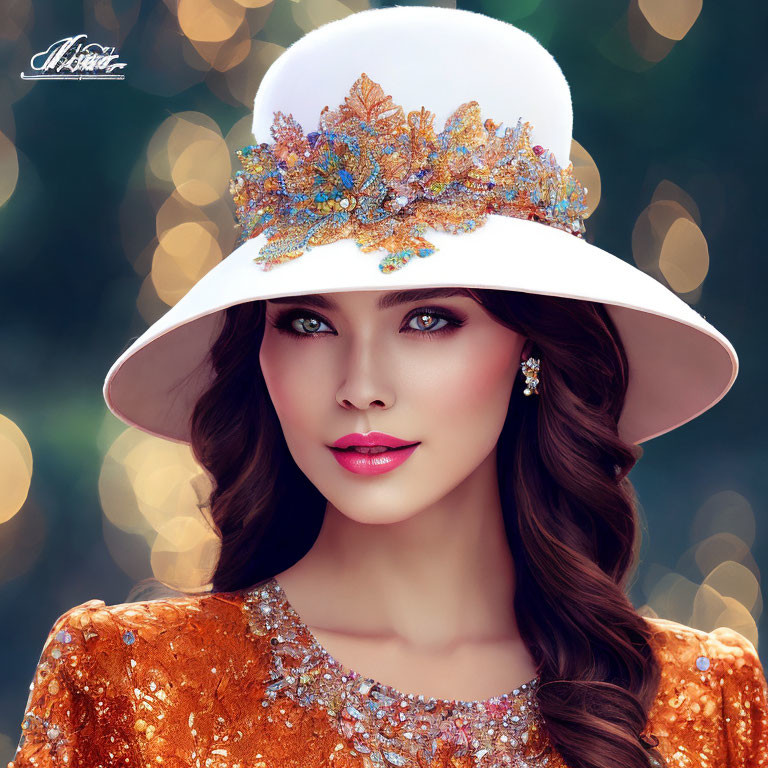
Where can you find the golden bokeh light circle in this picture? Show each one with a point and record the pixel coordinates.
(15, 468)
(210, 21)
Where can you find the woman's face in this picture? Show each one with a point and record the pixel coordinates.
(423, 366)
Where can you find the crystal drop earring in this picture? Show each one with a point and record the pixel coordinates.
(531, 372)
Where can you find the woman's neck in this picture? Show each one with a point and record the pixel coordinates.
(438, 579)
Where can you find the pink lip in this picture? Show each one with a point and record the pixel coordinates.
(372, 463)
(371, 439)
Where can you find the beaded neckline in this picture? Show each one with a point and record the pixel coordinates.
(345, 672)
(380, 723)
(383, 725)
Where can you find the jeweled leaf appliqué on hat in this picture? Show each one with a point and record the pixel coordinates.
(370, 174)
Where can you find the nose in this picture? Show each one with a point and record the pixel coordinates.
(365, 378)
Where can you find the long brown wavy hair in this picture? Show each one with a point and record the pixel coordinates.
(570, 512)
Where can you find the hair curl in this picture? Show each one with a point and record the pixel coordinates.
(570, 512)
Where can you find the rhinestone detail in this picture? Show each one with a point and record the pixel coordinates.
(383, 179)
(381, 724)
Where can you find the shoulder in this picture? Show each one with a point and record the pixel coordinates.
(118, 669)
(168, 625)
(722, 652)
(93, 638)
(713, 694)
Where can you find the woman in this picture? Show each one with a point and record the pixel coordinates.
(419, 470)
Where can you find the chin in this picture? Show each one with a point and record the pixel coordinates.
(376, 507)
(372, 517)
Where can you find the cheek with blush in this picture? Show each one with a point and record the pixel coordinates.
(463, 401)
(475, 386)
(295, 400)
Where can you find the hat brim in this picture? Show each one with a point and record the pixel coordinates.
(680, 365)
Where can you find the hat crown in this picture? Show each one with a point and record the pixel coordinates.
(436, 58)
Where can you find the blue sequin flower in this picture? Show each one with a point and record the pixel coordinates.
(372, 174)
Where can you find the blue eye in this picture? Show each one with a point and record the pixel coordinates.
(299, 323)
(303, 323)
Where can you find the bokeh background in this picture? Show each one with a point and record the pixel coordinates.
(114, 202)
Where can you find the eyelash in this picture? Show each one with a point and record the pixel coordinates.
(283, 322)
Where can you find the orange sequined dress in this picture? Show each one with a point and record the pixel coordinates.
(237, 680)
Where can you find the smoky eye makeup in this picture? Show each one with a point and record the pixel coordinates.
(284, 322)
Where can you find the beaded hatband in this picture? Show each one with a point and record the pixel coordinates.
(368, 173)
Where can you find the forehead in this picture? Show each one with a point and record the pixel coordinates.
(385, 301)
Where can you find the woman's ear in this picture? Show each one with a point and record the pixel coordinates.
(526, 351)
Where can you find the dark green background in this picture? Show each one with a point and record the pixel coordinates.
(68, 292)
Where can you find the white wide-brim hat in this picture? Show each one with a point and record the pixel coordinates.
(438, 58)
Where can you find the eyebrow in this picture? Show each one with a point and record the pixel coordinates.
(388, 300)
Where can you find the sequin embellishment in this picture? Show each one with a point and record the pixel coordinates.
(382, 725)
(371, 174)
(193, 690)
